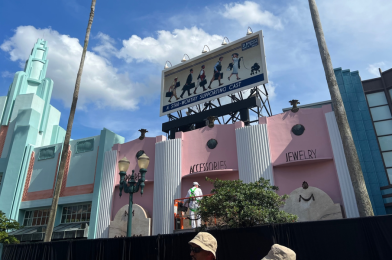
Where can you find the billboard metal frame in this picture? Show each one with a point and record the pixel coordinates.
(263, 66)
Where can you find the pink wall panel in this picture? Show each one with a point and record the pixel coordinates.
(315, 137)
(195, 150)
(130, 149)
(321, 175)
(146, 201)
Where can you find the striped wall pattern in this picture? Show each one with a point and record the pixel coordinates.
(346, 186)
(106, 194)
(167, 185)
(253, 152)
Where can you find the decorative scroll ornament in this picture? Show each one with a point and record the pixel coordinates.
(142, 133)
(311, 197)
(210, 121)
(133, 213)
(305, 185)
(294, 103)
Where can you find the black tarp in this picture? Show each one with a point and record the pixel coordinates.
(358, 238)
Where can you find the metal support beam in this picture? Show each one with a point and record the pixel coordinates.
(200, 118)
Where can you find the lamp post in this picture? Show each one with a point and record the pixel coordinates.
(131, 183)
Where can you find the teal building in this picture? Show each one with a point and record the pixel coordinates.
(362, 129)
(31, 143)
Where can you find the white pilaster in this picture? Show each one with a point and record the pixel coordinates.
(106, 194)
(346, 186)
(253, 152)
(167, 185)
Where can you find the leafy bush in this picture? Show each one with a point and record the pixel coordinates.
(7, 225)
(237, 204)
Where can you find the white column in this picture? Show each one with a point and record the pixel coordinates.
(346, 186)
(253, 152)
(106, 194)
(167, 185)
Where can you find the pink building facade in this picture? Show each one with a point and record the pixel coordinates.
(271, 149)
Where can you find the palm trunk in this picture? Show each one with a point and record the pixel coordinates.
(64, 154)
(361, 195)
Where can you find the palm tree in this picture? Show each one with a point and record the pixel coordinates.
(361, 195)
(64, 154)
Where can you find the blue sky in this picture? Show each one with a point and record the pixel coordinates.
(131, 40)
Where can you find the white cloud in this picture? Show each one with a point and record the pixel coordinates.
(6, 74)
(167, 46)
(373, 68)
(101, 85)
(250, 13)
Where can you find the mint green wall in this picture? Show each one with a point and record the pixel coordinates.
(25, 132)
(58, 135)
(82, 166)
(53, 120)
(3, 101)
(24, 101)
(13, 92)
(108, 139)
(59, 211)
(44, 171)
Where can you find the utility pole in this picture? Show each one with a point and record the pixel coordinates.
(64, 154)
(354, 167)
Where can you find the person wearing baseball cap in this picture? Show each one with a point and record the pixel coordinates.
(203, 246)
(194, 198)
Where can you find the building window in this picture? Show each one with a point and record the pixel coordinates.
(37, 217)
(76, 213)
(1, 178)
(380, 113)
(383, 127)
(382, 120)
(389, 171)
(386, 143)
(46, 153)
(85, 146)
(377, 99)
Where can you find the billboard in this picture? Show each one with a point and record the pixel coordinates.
(223, 71)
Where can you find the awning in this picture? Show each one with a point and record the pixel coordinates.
(60, 232)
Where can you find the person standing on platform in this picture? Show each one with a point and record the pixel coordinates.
(194, 204)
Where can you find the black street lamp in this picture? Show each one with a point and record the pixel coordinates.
(131, 183)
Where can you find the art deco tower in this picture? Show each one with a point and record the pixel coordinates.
(27, 121)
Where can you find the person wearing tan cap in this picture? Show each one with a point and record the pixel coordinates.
(279, 252)
(203, 246)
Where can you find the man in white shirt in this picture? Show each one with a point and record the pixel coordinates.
(193, 192)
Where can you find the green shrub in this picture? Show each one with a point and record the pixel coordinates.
(237, 204)
(7, 225)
